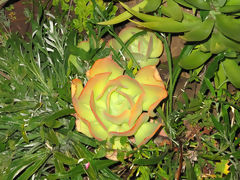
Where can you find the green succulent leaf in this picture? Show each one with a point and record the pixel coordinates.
(218, 3)
(232, 71)
(172, 10)
(151, 6)
(230, 9)
(194, 60)
(166, 25)
(145, 132)
(199, 4)
(199, 32)
(162, 24)
(184, 3)
(220, 78)
(232, 2)
(229, 26)
(124, 16)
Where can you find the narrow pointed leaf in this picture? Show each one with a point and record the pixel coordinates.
(151, 6)
(124, 16)
(33, 168)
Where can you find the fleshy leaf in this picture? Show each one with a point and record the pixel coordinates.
(105, 65)
(145, 132)
(82, 127)
(119, 119)
(82, 103)
(126, 85)
(124, 16)
(136, 110)
(149, 75)
(96, 130)
(126, 33)
(76, 88)
(97, 113)
(153, 96)
(143, 118)
(153, 87)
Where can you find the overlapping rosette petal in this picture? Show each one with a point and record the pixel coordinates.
(113, 104)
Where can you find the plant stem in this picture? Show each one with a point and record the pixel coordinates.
(169, 60)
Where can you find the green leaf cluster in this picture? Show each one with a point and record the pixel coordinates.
(212, 27)
(37, 129)
(81, 11)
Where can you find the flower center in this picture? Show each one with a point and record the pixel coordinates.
(118, 103)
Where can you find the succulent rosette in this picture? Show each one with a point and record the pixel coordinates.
(113, 104)
(145, 48)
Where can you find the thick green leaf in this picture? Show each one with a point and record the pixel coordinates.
(172, 10)
(167, 25)
(124, 16)
(218, 3)
(194, 60)
(230, 9)
(161, 23)
(200, 4)
(199, 32)
(229, 26)
(232, 2)
(151, 6)
(232, 71)
(184, 3)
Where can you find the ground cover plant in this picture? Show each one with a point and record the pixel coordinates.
(64, 85)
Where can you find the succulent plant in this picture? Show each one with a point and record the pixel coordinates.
(113, 104)
(145, 48)
(214, 28)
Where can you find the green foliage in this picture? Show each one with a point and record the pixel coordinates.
(37, 130)
(214, 32)
(4, 27)
(37, 134)
(82, 11)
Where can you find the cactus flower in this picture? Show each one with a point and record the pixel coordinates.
(113, 104)
(145, 48)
